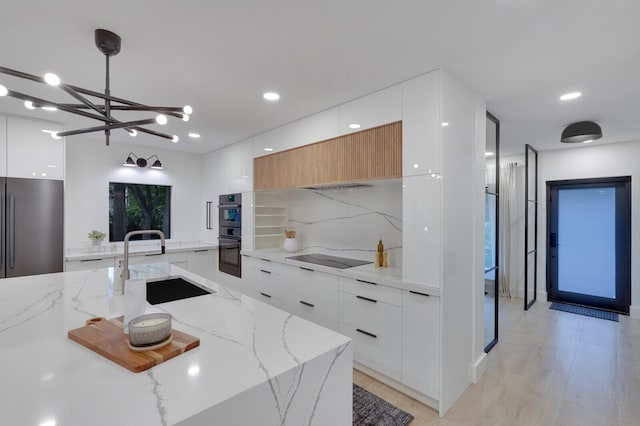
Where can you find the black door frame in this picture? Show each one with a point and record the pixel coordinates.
(528, 250)
(623, 244)
(496, 266)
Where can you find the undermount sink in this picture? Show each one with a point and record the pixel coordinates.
(173, 288)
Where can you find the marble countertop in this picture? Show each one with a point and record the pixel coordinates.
(49, 378)
(391, 277)
(136, 248)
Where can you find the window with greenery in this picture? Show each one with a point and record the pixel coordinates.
(134, 206)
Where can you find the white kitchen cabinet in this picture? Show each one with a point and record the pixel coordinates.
(264, 278)
(421, 236)
(32, 153)
(303, 285)
(376, 109)
(421, 125)
(203, 262)
(3, 145)
(371, 314)
(88, 264)
(421, 342)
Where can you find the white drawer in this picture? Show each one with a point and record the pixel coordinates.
(314, 314)
(313, 287)
(259, 263)
(88, 264)
(264, 281)
(371, 290)
(273, 301)
(379, 318)
(378, 353)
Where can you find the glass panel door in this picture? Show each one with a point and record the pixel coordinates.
(491, 221)
(531, 227)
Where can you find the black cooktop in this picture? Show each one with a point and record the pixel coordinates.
(331, 261)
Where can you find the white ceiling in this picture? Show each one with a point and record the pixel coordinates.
(220, 56)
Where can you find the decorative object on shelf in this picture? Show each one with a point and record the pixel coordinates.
(581, 132)
(96, 237)
(381, 255)
(290, 242)
(142, 162)
(109, 44)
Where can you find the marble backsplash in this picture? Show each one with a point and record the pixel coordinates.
(349, 222)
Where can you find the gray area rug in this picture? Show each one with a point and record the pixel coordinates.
(581, 310)
(369, 409)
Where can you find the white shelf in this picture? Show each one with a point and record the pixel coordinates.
(269, 226)
(264, 206)
(269, 235)
(271, 215)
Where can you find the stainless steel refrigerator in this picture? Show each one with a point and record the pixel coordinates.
(31, 227)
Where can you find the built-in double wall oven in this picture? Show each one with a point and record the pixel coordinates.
(230, 234)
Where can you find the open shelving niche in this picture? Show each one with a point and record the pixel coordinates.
(270, 219)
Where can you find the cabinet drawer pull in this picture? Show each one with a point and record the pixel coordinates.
(367, 333)
(367, 282)
(90, 260)
(154, 254)
(265, 295)
(418, 293)
(307, 304)
(266, 260)
(266, 272)
(305, 269)
(200, 251)
(367, 299)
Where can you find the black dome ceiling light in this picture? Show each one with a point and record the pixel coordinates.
(581, 132)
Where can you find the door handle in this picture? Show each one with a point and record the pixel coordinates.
(11, 231)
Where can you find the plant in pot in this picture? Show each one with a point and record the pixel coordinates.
(96, 237)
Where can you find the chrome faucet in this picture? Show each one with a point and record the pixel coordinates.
(125, 267)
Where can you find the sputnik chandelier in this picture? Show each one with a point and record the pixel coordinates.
(109, 44)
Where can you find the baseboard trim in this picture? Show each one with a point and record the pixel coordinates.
(427, 400)
(541, 296)
(478, 368)
(634, 312)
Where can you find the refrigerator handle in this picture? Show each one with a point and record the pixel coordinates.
(11, 232)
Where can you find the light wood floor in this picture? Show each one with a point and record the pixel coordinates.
(549, 368)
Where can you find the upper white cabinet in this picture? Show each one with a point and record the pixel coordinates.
(32, 153)
(421, 125)
(421, 234)
(376, 109)
(3, 144)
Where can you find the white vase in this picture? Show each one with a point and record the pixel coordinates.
(290, 245)
(96, 243)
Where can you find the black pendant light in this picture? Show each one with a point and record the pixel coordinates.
(581, 132)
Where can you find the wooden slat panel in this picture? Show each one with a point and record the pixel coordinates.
(370, 154)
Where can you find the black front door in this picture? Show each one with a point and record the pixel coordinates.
(589, 242)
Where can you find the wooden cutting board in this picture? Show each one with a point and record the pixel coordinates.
(107, 339)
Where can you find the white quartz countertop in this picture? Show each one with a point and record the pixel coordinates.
(136, 248)
(46, 377)
(391, 277)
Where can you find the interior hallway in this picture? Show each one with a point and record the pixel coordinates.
(548, 368)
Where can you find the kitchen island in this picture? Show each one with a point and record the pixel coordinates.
(256, 365)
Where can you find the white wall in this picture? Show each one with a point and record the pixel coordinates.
(619, 159)
(91, 165)
(349, 222)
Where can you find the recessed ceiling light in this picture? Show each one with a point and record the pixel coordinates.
(52, 166)
(569, 96)
(52, 79)
(3, 90)
(29, 105)
(354, 126)
(488, 154)
(268, 149)
(415, 166)
(194, 135)
(588, 141)
(49, 108)
(175, 139)
(445, 123)
(161, 119)
(271, 96)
